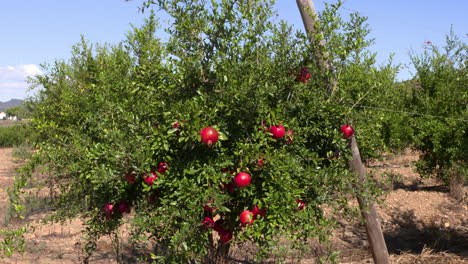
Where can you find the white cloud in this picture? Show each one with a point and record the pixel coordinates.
(13, 80)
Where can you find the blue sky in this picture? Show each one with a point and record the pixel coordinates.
(41, 31)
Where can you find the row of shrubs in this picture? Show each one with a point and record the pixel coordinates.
(11, 136)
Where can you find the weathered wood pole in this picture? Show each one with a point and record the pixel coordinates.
(373, 229)
(309, 18)
(368, 212)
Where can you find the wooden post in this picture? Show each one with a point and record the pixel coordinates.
(309, 19)
(368, 212)
(308, 15)
(373, 229)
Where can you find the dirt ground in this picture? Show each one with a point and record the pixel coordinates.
(421, 224)
(6, 123)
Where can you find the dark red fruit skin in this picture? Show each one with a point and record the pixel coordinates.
(278, 131)
(347, 131)
(207, 223)
(258, 212)
(130, 177)
(162, 167)
(149, 178)
(225, 236)
(123, 207)
(209, 136)
(303, 75)
(300, 205)
(218, 225)
(335, 155)
(177, 125)
(260, 163)
(242, 179)
(227, 187)
(246, 218)
(289, 137)
(108, 210)
(208, 208)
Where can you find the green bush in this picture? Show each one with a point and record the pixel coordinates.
(440, 93)
(11, 136)
(116, 112)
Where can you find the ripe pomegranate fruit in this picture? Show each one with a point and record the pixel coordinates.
(209, 136)
(149, 178)
(177, 125)
(246, 218)
(303, 75)
(242, 179)
(130, 177)
(277, 131)
(347, 131)
(300, 205)
(258, 212)
(227, 187)
(162, 167)
(225, 236)
(218, 225)
(207, 223)
(123, 207)
(260, 162)
(109, 210)
(335, 155)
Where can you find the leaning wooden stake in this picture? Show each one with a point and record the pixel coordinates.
(309, 18)
(368, 212)
(373, 229)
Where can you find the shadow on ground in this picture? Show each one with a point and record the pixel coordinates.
(415, 186)
(407, 234)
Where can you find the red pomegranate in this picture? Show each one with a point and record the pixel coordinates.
(209, 136)
(242, 179)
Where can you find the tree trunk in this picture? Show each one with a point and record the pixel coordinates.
(457, 189)
(217, 253)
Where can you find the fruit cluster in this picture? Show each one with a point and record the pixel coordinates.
(209, 136)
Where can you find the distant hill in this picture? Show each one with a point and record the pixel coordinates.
(11, 103)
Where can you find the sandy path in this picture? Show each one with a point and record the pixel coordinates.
(7, 172)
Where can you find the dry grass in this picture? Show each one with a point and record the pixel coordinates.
(428, 256)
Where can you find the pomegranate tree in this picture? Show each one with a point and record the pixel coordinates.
(183, 116)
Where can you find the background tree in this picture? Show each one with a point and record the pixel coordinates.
(440, 93)
(18, 111)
